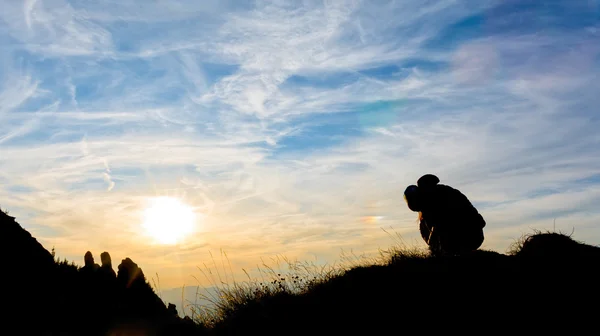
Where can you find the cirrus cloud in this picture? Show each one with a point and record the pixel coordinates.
(293, 126)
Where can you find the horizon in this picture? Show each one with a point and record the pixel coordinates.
(292, 129)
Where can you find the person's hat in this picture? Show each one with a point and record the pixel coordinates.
(428, 180)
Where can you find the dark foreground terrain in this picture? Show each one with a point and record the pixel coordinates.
(548, 284)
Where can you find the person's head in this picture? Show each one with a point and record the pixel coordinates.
(105, 257)
(88, 259)
(415, 195)
(412, 198)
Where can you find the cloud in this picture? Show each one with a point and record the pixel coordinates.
(16, 89)
(293, 127)
(107, 177)
(55, 28)
(475, 63)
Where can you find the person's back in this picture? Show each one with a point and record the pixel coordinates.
(449, 223)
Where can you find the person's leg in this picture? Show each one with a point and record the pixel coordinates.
(446, 242)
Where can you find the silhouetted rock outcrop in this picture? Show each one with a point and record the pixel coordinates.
(137, 296)
(47, 297)
(130, 275)
(89, 267)
(172, 308)
(106, 271)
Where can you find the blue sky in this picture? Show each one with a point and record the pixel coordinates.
(293, 127)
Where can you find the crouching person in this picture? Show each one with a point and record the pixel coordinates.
(448, 222)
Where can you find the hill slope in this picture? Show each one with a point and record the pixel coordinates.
(548, 282)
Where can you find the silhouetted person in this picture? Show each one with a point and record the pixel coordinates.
(89, 266)
(448, 222)
(106, 271)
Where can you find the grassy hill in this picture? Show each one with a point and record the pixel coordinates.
(548, 280)
(546, 283)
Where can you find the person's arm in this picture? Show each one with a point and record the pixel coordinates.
(425, 230)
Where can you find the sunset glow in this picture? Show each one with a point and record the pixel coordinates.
(168, 220)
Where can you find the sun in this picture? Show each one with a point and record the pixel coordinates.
(168, 220)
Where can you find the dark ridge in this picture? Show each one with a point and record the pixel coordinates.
(27, 254)
(44, 296)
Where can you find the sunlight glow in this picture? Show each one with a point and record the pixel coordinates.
(168, 220)
(372, 219)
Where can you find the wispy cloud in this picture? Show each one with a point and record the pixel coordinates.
(294, 126)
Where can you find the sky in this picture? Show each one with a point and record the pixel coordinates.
(292, 127)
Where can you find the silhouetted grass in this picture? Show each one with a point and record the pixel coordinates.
(283, 277)
(406, 282)
(517, 245)
(282, 280)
